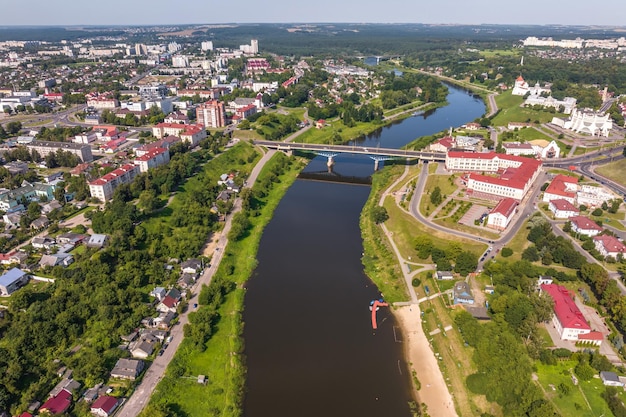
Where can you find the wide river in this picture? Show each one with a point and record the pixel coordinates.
(311, 350)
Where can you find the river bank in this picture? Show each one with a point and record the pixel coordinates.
(432, 392)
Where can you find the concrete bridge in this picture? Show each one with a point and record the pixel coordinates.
(330, 151)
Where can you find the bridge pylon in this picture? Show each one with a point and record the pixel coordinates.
(377, 159)
(330, 156)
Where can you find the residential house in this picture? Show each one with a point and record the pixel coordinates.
(187, 280)
(159, 293)
(58, 404)
(12, 280)
(51, 206)
(174, 293)
(142, 348)
(164, 320)
(444, 275)
(191, 266)
(97, 241)
(609, 246)
(563, 209)
(462, 293)
(127, 369)
(40, 223)
(167, 304)
(59, 258)
(502, 214)
(43, 242)
(610, 379)
(67, 383)
(584, 226)
(71, 238)
(104, 406)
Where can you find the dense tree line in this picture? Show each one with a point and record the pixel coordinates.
(60, 134)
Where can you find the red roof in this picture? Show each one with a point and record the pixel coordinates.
(558, 186)
(114, 174)
(105, 403)
(447, 142)
(520, 78)
(564, 205)
(611, 244)
(58, 404)
(151, 154)
(26, 414)
(565, 308)
(506, 206)
(591, 336)
(169, 302)
(584, 223)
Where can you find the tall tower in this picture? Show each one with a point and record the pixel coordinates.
(521, 62)
(254, 46)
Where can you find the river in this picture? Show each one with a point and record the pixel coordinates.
(310, 346)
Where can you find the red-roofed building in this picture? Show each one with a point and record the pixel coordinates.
(442, 145)
(563, 209)
(26, 414)
(502, 213)
(609, 246)
(166, 142)
(289, 82)
(517, 148)
(516, 174)
(193, 135)
(167, 304)
(568, 319)
(103, 187)
(246, 111)
(104, 406)
(188, 133)
(54, 97)
(152, 159)
(561, 187)
(585, 226)
(595, 338)
(58, 404)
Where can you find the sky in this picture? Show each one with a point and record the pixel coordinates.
(163, 12)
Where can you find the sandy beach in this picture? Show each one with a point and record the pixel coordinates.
(434, 391)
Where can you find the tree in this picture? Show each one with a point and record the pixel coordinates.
(423, 246)
(597, 212)
(506, 252)
(465, 263)
(435, 196)
(531, 254)
(379, 214)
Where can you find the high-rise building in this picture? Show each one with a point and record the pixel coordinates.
(211, 114)
(207, 46)
(255, 46)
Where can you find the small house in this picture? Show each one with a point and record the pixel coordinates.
(104, 406)
(191, 266)
(12, 280)
(462, 293)
(610, 379)
(444, 275)
(127, 369)
(97, 241)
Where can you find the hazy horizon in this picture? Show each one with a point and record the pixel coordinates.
(68, 13)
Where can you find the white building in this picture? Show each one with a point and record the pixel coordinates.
(592, 196)
(207, 46)
(103, 187)
(563, 209)
(152, 159)
(609, 246)
(584, 226)
(586, 121)
(518, 148)
(501, 215)
(568, 320)
(516, 174)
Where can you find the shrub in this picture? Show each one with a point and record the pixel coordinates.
(506, 252)
(416, 282)
(597, 212)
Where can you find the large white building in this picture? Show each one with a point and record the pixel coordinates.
(515, 174)
(44, 148)
(211, 114)
(568, 320)
(586, 121)
(502, 214)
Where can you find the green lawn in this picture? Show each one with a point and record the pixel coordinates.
(583, 400)
(510, 111)
(444, 184)
(614, 170)
(530, 133)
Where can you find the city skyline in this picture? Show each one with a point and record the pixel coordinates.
(161, 12)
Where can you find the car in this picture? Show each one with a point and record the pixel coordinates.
(490, 248)
(160, 352)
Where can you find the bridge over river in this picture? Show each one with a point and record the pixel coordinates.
(330, 151)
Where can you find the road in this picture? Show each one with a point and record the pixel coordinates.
(141, 396)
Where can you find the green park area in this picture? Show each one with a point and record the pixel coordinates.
(511, 111)
(583, 399)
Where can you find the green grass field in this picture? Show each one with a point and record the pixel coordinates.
(614, 170)
(444, 184)
(583, 400)
(510, 111)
